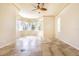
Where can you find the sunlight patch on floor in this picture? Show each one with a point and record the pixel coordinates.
(28, 44)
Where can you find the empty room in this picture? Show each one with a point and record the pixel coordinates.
(39, 29)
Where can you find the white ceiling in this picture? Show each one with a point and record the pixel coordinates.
(52, 8)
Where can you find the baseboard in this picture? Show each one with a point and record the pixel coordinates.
(4, 50)
(6, 44)
(69, 44)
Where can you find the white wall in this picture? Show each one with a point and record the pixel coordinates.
(48, 23)
(7, 24)
(69, 25)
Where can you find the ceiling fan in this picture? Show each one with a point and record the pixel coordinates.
(39, 6)
(29, 13)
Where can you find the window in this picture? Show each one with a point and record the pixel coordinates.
(58, 24)
(21, 25)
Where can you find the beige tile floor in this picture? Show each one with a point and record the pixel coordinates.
(54, 48)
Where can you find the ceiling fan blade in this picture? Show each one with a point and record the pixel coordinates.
(34, 9)
(42, 7)
(33, 5)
